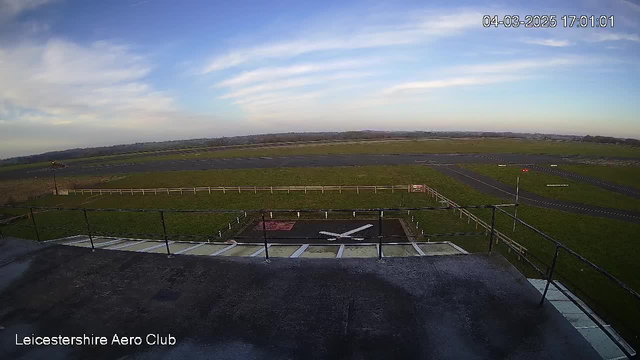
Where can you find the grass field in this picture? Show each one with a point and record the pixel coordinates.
(536, 182)
(623, 175)
(609, 243)
(12, 191)
(472, 146)
(423, 146)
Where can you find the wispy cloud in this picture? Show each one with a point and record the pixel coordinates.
(271, 73)
(59, 82)
(517, 65)
(447, 83)
(548, 42)
(413, 31)
(599, 37)
(293, 83)
(12, 8)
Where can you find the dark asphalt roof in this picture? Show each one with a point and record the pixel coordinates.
(447, 307)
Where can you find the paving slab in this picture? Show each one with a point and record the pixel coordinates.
(321, 251)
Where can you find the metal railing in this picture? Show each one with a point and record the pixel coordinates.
(379, 214)
(548, 276)
(499, 236)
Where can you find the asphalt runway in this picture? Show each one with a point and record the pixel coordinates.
(289, 161)
(308, 231)
(507, 192)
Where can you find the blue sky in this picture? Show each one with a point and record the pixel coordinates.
(91, 73)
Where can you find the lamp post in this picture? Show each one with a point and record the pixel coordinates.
(53, 169)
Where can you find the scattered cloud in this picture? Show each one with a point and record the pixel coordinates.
(10, 9)
(605, 36)
(517, 65)
(446, 83)
(293, 83)
(430, 27)
(632, 5)
(548, 42)
(60, 81)
(271, 73)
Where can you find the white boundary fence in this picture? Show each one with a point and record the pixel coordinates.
(511, 244)
(240, 189)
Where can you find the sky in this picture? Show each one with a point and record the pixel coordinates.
(92, 73)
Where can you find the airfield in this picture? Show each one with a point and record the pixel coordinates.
(398, 215)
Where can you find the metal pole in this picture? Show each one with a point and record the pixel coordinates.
(33, 219)
(550, 277)
(264, 235)
(164, 230)
(515, 212)
(493, 228)
(55, 183)
(379, 235)
(86, 220)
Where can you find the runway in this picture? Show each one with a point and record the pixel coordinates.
(494, 187)
(288, 161)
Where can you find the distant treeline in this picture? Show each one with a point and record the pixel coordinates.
(611, 140)
(291, 137)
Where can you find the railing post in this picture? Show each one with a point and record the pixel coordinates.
(33, 220)
(264, 235)
(493, 228)
(164, 231)
(86, 221)
(379, 235)
(550, 277)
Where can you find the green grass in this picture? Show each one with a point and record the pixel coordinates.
(611, 244)
(623, 175)
(350, 175)
(421, 146)
(474, 146)
(536, 182)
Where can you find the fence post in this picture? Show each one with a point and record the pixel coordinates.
(272, 189)
(164, 231)
(86, 220)
(550, 277)
(493, 226)
(255, 189)
(209, 188)
(264, 235)
(379, 235)
(33, 220)
(1, 236)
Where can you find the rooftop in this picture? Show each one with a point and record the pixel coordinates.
(471, 306)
